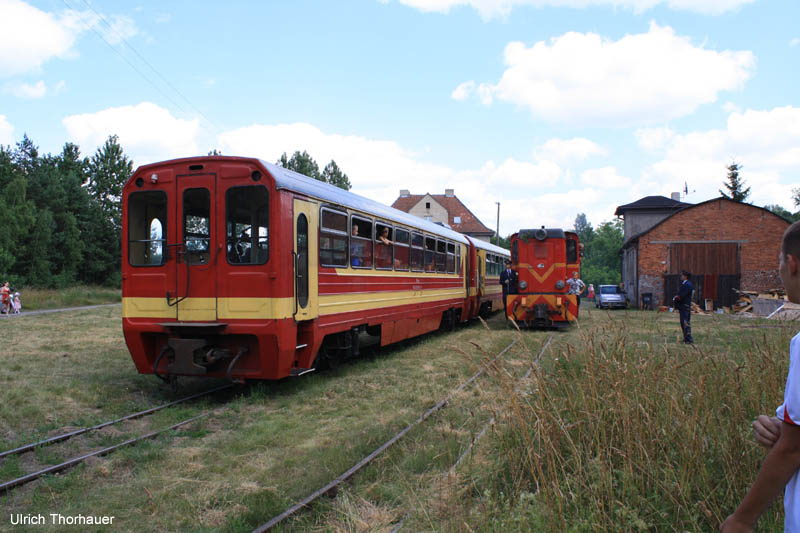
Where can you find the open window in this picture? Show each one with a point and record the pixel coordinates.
(247, 225)
(572, 251)
(360, 242)
(417, 254)
(401, 249)
(384, 246)
(333, 238)
(147, 228)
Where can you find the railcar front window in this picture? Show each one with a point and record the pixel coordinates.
(197, 225)
(247, 225)
(147, 228)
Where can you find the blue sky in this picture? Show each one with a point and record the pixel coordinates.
(550, 107)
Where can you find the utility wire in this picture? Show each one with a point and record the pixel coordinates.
(214, 127)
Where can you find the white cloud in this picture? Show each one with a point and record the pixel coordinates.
(730, 107)
(765, 143)
(568, 150)
(29, 37)
(585, 79)
(463, 91)
(147, 132)
(653, 138)
(6, 132)
(27, 91)
(489, 9)
(794, 42)
(604, 178)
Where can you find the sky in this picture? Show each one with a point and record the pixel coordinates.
(549, 107)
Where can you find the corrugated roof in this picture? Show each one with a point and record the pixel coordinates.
(455, 208)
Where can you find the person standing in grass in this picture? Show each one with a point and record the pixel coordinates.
(683, 301)
(780, 434)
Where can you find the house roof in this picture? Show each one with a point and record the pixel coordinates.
(469, 223)
(636, 237)
(650, 203)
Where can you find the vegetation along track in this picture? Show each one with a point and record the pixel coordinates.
(330, 487)
(22, 480)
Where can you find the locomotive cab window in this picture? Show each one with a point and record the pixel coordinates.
(572, 251)
(417, 256)
(197, 225)
(360, 242)
(401, 249)
(383, 246)
(333, 238)
(247, 225)
(147, 228)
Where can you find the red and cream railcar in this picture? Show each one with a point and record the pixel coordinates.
(544, 259)
(237, 267)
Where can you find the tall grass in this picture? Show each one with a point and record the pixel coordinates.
(624, 435)
(33, 299)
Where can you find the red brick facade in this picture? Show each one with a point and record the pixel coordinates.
(755, 230)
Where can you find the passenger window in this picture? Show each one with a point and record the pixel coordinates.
(247, 225)
(333, 238)
(401, 249)
(441, 253)
(430, 252)
(383, 246)
(360, 242)
(147, 228)
(417, 255)
(451, 258)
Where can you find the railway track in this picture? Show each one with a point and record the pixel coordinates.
(14, 483)
(331, 486)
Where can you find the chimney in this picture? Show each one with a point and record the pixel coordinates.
(404, 193)
(676, 196)
(449, 192)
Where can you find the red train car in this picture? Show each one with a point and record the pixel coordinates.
(544, 258)
(237, 267)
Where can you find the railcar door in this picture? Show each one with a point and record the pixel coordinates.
(195, 293)
(306, 259)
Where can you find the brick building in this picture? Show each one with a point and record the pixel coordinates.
(443, 208)
(723, 243)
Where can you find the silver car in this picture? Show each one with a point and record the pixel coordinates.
(609, 297)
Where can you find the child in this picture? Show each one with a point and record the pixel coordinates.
(17, 304)
(781, 434)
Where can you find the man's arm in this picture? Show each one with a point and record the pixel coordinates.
(778, 467)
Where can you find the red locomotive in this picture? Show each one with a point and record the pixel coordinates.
(544, 259)
(237, 267)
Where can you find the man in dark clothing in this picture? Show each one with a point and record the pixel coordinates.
(683, 301)
(508, 280)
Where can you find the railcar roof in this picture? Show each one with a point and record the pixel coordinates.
(293, 181)
(483, 245)
(552, 233)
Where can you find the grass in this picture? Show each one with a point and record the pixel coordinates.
(620, 428)
(34, 299)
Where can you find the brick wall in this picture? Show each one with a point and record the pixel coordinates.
(757, 230)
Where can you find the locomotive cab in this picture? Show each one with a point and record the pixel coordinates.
(543, 259)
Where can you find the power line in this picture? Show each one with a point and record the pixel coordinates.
(214, 127)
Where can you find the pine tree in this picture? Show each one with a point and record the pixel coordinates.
(735, 184)
(302, 164)
(333, 175)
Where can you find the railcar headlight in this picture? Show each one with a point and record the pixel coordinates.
(523, 285)
(560, 284)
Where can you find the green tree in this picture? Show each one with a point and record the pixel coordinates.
(302, 164)
(796, 196)
(735, 184)
(783, 212)
(333, 175)
(584, 229)
(601, 260)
